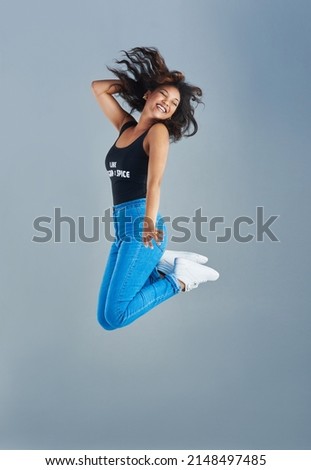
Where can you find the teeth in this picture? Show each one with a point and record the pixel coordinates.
(162, 109)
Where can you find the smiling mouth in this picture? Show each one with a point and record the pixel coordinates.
(161, 108)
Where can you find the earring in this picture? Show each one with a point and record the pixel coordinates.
(145, 97)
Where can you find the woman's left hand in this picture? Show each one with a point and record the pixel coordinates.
(150, 233)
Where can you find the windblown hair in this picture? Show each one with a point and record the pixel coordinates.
(145, 69)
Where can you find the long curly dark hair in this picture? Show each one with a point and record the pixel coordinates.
(145, 69)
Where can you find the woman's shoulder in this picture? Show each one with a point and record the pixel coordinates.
(157, 137)
(129, 122)
(158, 131)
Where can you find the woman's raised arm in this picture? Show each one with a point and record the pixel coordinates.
(104, 91)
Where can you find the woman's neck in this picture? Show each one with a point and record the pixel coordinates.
(144, 123)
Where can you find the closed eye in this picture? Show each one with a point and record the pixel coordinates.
(165, 93)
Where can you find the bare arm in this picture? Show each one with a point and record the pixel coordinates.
(158, 151)
(104, 91)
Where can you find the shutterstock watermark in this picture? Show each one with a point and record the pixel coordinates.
(243, 229)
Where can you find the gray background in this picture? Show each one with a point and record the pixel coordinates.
(224, 366)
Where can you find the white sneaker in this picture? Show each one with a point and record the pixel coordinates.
(166, 263)
(192, 274)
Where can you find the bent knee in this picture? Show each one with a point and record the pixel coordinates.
(104, 323)
(116, 321)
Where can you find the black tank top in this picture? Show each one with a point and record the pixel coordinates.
(127, 168)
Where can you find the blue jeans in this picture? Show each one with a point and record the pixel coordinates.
(131, 285)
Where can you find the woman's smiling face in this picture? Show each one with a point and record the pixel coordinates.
(163, 101)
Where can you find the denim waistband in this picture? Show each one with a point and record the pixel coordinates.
(134, 202)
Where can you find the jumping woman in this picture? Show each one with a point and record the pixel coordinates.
(140, 272)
